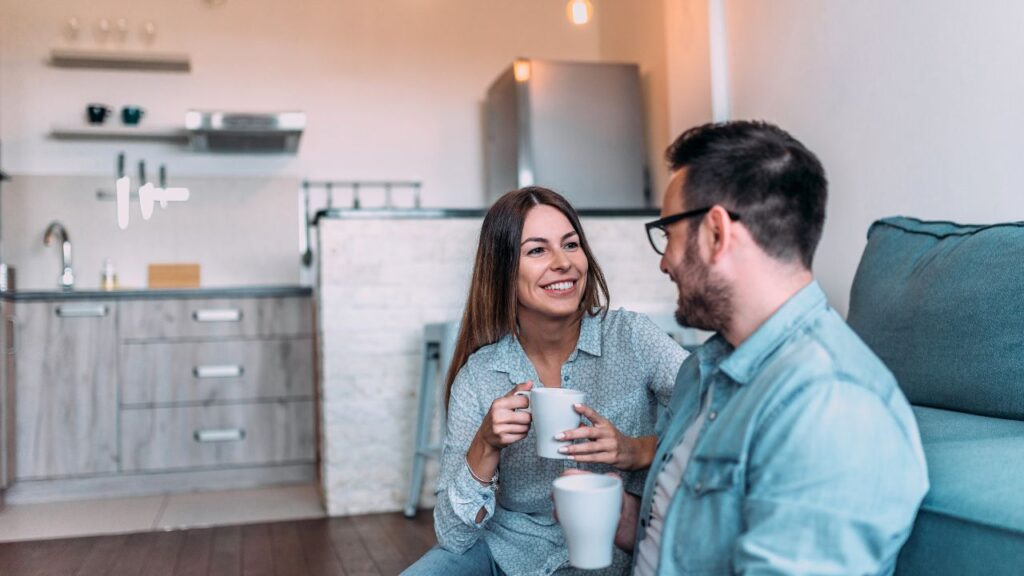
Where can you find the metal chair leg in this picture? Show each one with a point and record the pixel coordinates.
(424, 418)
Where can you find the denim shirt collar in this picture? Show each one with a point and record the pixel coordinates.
(746, 360)
(512, 359)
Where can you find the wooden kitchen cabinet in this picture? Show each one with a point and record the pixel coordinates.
(66, 396)
(216, 382)
(130, 394)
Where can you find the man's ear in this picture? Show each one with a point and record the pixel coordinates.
(719, 233)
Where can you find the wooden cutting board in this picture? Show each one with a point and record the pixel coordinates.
(174, 275)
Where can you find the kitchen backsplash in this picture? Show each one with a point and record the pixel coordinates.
(241, 230)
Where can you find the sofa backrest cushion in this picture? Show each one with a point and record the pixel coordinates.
(942, 304)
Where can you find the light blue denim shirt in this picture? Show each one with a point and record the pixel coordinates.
(809, 460)
(625, 364)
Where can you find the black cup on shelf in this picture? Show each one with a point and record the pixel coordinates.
(96, 113)
(131, 115)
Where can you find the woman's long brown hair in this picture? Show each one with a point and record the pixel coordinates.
(491, 305)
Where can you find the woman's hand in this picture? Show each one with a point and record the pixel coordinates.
(502, 425)
(606, 444)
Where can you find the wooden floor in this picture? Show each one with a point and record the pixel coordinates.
(379, 544)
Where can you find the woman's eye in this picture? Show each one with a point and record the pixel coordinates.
(571, 245)
(535, 251)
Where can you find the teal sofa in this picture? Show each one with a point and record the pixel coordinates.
(943, 305)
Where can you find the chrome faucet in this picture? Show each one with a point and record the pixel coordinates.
(67, 277)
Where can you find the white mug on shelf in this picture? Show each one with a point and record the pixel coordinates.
(588, 507)
(553, 413)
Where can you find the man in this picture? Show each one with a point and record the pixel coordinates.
(787, 446)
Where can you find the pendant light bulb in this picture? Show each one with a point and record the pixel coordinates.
(521, 70)
(579, 11)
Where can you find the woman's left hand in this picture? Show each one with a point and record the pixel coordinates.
(606, 444)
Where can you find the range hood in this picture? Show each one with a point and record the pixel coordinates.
(245, 132)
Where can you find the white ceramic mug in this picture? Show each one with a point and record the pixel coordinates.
(553, 413)
(588, 507)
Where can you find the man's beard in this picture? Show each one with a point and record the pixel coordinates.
(704, 302)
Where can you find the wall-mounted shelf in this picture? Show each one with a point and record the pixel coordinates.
(120, 60)
(170, 134)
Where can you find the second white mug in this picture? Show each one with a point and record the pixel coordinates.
(588, 508)
(553, 412)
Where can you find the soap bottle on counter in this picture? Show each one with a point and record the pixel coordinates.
(108, 279)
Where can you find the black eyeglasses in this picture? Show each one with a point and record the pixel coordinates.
(656, 230)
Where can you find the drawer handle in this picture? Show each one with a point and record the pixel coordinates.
(218, 315)
(221, 435)
(218, 371)
(78, 311)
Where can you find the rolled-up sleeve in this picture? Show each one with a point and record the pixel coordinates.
(834, 483)
(459, 496)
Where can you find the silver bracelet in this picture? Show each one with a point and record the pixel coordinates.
(492, 482)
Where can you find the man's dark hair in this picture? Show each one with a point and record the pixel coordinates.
(759, 171)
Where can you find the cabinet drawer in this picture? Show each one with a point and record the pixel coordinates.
(214, 436)
(166, 372)
(216, 317)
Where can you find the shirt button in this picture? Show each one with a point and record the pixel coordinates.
(567, 377)
(698, 487)
(712, 415)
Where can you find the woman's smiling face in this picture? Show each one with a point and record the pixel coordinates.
(552, 266)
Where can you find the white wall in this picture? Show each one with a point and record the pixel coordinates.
(688, 66)
(669, 40)
(635, 32)
(914, 107)
(392, 88)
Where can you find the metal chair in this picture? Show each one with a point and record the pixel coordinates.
(438, 347)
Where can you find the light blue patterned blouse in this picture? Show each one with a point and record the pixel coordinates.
(625, 364)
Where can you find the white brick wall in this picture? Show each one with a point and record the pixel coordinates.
(381, 282)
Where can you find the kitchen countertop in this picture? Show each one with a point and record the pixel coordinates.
(135, 294)
(406, 213)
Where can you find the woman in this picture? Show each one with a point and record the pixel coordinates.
(537, 315)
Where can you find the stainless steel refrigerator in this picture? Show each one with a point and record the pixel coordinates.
(577, 128)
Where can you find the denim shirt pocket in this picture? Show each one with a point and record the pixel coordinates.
(709, 515)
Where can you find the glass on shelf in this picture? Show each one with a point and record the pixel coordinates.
(101, 33)
(148, 32)
(120, 31)
(72, 30)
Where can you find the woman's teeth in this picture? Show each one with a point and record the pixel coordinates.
(560, 286)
